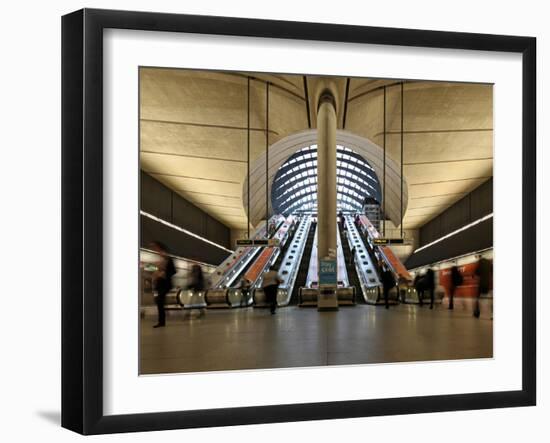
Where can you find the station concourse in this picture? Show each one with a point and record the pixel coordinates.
(366, 196)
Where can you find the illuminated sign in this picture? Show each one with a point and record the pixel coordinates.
(258, 242)
(388, 241)
(327, 272)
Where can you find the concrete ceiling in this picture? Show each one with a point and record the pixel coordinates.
(194, 138)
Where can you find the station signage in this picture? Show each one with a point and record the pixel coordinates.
(327, 299)
(388, 241)
(327, 272)
(258, 242)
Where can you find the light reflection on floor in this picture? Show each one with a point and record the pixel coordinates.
(296, 337)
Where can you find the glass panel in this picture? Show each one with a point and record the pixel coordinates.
(296, 188)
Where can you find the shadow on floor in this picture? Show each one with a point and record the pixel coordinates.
(54, 417)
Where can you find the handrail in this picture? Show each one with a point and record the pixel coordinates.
(290, 280)
(365, 285)
(387, 254)
(269, 254)
(243, 252)
(312, 269)
(341, 271)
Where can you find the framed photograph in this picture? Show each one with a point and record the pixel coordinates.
(269, 221)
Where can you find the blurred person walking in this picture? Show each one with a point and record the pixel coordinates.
(196, 282)
(425, 283)
(456, 280)
(483, 271)
(430, 285)
(341, 220)
(245, 291)
(162, 280)
(270, 284)
(388, 282)
(419, 288)
(352, 256)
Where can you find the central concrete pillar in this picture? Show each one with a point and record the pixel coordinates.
(326, 202)
(326, 176)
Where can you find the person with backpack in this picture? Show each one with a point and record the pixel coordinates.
(456, 280)
(162, 280)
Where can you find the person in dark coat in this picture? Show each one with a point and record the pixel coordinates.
(196, 282)
(196, 279)
(419, 286)
(388, 282)
(429, 285)
(162, 280)
(341, 220)
(456, 280)
(352, 256)
(483, 271)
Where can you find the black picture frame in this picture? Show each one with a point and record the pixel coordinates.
(82, 218)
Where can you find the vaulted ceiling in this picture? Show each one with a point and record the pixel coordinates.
(194, 132)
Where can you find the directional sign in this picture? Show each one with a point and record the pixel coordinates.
(388, 241)
(258, 242)
(262, 242)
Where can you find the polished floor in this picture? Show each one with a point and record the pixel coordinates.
(296, 337)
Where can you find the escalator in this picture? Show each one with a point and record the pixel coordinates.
(308, 295)
(284, 248)
(287, 263)
(368, 247)
(350, 268)
(256, 254)
(250, 264)
(230, 271)
(304, 265)
(381, 255)
(384, 253)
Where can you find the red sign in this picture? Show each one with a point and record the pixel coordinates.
(470, 281)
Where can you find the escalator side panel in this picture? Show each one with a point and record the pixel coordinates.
(301, 276)
(341, 271)
(290, 267)
(352, 272)
(311, 280)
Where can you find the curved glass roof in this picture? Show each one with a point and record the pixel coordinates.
(295, 185)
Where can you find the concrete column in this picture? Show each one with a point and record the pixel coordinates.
(326, 201)
(326, 176)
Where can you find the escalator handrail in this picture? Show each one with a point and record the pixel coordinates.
(269, 254)
(240, 252)
(290, 277)
(372, 233)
